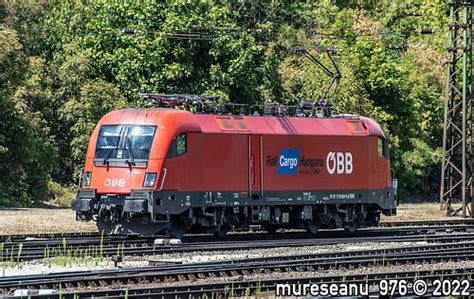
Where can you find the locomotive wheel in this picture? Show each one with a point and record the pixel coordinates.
(352, 227)
(271, 229)
(178, 228)
(373, 218)
(222, 231)
(312, 226)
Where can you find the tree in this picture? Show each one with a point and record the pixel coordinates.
(96, 98)
(63, 65)
(26, 154)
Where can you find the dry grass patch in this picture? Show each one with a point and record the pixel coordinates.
(36, 221)
(418, 211)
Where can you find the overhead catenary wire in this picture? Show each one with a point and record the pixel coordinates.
(211, 32)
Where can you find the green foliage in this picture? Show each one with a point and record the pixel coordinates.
(60, 195)
(401, 90)
(26, 151)
(63, 65)
(96, 98)
(416, 162)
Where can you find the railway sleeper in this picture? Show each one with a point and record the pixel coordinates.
(156, 279)
(301, 269)
(169, 279)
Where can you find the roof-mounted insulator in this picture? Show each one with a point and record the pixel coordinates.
(212, 105)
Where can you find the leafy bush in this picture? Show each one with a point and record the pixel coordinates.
(60, 195)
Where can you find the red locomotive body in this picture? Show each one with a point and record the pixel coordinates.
(166, 170)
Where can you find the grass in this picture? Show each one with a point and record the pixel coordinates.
(20, 247)
(8, 258)
(61, 255)
(69, 257)
(64, 256)
(259, 287)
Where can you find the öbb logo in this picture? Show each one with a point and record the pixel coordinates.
(339, 163)
(114, 182)
(288, 161)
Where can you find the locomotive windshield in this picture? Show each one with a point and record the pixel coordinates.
(124, 143)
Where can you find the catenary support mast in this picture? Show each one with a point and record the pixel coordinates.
(457, 171)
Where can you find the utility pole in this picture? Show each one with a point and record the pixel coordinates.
(457, 170)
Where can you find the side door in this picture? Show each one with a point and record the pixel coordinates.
(255, 166)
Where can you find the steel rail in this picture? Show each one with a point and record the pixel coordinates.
(79, 235)
(131, 248)
(267, 287)
(88, 239)
(426, 222)
(189, 272)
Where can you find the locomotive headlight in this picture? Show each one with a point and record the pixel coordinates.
(86, 178)
(150, 178)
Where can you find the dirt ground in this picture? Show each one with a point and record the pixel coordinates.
(418, 211)
(29, 221)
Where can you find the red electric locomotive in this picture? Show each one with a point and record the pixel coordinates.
(165, 170)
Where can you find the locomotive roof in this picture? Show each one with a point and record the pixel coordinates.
(183, 121)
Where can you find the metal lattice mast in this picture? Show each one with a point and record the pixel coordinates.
(457, 172)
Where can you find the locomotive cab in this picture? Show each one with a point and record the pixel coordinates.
(123, 166)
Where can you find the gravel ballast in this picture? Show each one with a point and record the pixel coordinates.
(43, 267)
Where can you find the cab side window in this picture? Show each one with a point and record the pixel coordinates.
(382, 147)
(178, 146)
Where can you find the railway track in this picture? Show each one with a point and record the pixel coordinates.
(426, 223)
(267, 286)
(141, 246)
(97, 236)
(158, 277)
